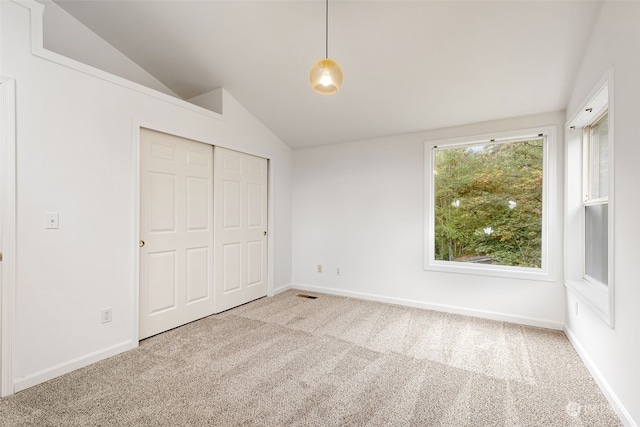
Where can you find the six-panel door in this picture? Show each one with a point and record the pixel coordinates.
(176, 224)
(196, 260)
(240, 228)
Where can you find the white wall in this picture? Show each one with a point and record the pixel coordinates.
(67, 36)
(76, 155)
(359, 206)
(212, 100)
(613, 354)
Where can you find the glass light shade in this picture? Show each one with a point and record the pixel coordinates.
(325, 76)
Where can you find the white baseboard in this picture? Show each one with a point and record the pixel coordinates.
(66, 367)
(282, 289)
(616, 403)
(502, 317)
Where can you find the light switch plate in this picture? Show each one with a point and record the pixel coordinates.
(52, 220)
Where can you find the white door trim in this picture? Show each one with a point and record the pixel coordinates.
(135, 239)
(7, 229)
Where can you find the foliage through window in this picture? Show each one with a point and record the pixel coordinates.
(488, 203)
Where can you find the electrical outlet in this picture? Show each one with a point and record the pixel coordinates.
(106, 315)
(319, 268)
(338, 271)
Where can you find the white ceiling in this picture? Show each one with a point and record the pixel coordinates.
(408, 65)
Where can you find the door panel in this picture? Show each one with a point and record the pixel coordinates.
(162, 201)
(162, 273)
(240, 223)
(231, 203)
(231, 267)
(198, 211)
(176, 224)
(255, 205)
(197, 274)
(254, 263)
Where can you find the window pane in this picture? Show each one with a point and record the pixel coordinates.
(596, 242)
(488, 203)
(599, 158)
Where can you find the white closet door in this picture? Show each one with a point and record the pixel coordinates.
(240, 225)
(176, 224)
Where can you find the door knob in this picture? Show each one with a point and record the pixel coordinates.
(265, 233)
(141, 244)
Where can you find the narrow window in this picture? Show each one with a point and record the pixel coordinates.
(589, 202)
(596, 200)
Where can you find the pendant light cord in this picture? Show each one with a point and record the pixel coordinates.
(326, 28)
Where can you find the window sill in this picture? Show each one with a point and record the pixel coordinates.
(594, 296)
(490, 270)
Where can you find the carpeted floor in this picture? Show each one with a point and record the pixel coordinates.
(331, 361)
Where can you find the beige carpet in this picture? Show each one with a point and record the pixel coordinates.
(331, 361)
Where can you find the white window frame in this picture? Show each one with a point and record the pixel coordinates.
(588, 199)
(547, 272)
(595, 295)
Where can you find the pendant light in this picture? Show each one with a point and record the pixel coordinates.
(326, 75)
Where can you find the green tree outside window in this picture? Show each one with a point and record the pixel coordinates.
(488, 203)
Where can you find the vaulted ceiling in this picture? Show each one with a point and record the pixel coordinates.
(408, 65)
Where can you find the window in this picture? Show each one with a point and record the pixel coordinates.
(488, 200)
(589, 205)
(596, 200)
